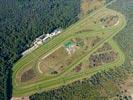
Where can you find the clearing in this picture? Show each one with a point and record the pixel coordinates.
(80, 51)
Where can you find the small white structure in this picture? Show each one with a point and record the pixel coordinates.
(45, 39)
(42, 39)
(39, 41)
(56, 32)
(29, 50)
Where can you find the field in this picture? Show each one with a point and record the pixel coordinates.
(80, 51)
(88, 6)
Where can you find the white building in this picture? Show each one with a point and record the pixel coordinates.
(45, 39)
(41, 39)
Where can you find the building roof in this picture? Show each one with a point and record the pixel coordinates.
(68, 44)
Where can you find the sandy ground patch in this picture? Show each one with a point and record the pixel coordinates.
(129, 86)
(117, 23)
(20, 98)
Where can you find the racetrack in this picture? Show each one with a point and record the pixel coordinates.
(62, 79)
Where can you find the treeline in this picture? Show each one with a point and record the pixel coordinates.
(21, 21)
(101, 86)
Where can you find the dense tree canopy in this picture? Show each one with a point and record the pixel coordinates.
(21, 21)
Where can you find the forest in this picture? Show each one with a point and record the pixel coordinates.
(21, 21)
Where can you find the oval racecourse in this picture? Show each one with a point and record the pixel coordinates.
(80, 51)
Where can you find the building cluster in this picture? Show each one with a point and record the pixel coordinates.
(42, 39)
